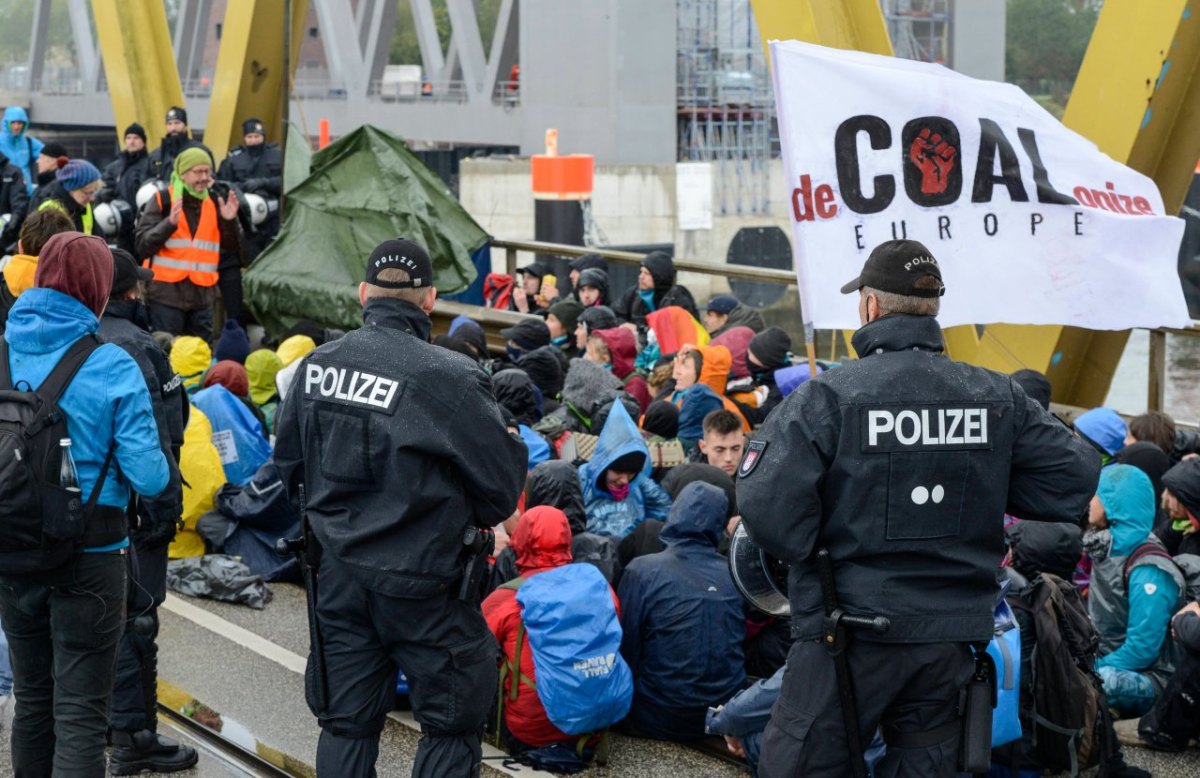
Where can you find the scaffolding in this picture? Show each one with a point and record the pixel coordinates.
(725, 107)
(920, 29)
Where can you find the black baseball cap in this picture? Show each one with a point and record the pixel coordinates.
(529, 333)
(895, 266)
(401, 254)
(127, 272)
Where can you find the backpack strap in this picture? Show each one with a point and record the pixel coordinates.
(1145, 551)
(60, 377)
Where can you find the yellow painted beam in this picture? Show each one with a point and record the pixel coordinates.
(139, 64)
(249, 78)
(847, 24)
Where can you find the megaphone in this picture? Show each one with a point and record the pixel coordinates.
(760, 578)
(259, 208)
(110, 217)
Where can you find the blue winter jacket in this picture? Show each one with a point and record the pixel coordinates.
(646, 500)
(107, 402)
(21, 149)
(683, 619)
(1129, 501)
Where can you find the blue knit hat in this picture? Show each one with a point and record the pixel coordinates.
(233, 343)
(1103, 428)
(77, 174)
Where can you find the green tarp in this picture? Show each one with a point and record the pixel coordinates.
(362, 189)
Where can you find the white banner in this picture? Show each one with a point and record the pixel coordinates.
(1030, 222)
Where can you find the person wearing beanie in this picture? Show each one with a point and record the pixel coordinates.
(186, 232)
(1181, 502)
(256, 167)
(655, 289)
(53, 156)
(233, 344)
(190, 358)
(618, 492)
(598, 317)
(162, 159)
(20, 148)
(767, 352)
(133, 712)
(75, 186)
(592, 289)
(1104, 429)
(561, 320)
(582, 263)
(75, 613)
(525, 335)
(124, 176)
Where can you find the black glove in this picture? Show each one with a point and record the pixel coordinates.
(162, 516)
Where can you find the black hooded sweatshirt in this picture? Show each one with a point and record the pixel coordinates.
(632, 308)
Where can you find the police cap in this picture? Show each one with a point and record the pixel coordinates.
(896, 266)
(401, 254)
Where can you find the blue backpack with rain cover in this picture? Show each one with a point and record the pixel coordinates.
(568, 616)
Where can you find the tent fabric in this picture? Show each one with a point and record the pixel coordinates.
(203, 476)
(362, 189)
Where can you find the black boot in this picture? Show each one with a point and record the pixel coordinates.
(134, 752)
(1117, 768)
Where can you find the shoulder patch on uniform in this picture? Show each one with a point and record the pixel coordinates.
(750, 460)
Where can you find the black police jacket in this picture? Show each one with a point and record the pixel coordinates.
(258, 170)
(902, 465)
(124, 176)
(401, 447)
(162, 159)
(14, 200)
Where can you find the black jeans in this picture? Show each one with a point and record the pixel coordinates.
(180, 322)
(446, 651)
(135, 691)
(63, 628)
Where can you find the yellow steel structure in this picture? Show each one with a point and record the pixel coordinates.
(1137, 96)
(249, 78)
(135, 44)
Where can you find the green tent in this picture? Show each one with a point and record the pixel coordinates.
(363, 189)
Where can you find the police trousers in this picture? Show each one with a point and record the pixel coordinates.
(135, 692)
(448, 655)
(910, 690)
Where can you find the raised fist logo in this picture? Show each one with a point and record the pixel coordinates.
(935, 158)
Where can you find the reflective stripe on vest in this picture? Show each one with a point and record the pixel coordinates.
(190, 257)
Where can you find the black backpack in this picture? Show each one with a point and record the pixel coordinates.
(41, 523)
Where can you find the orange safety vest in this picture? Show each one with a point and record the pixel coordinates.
(186, 256)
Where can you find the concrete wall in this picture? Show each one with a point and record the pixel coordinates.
(977, 38)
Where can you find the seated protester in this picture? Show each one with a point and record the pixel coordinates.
(655, 289)
(669, 330)
(190, 358)
(523, 337)
(74, 188)
(527, 296)
(1036, 386)
(737, 340)
(38, 228)
(724, 312)
(468, 332)
(767, 352)
(713, 363)
(1151, 460)
(236, 433)
(1180, 532)
(233, 344)
(1104, 429)
(616, 350)
(1037, 548)
(586, 388)
(1131, 618)
(683, 622)
(723, 441)
(291, 352)
(234, 377)
(521, 402)
(618, 492)
(645, 539)
(261, 367)
(540, 542)
(661, 421)
(203, 475)
(693, 399)
(1153, 427)
(1175, 719)
(546, 367)
(598, 317)
(561, 320)
(592, 289)
(582, 263)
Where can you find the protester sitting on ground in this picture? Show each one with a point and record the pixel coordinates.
(769, 351)
(1175, 720)
(74, 188)
(598, 317)
(191, 358)
(1036, 386)
(546, 367)
(592, 289)
(737, 340)
(616, 349)
(291, 351)
(261, 367)
(1104, 429)
(233, 344)
(1152, 427)
(655, 289)
(586, 387)
(237, 432)
(582, 263)
(521, 403)
(21, 269)
(1180, 532)
(1151, 460)
(1037, 549)
(723, 441)
(712, 364)
(203, 476)
(617, 489)
(1131, 609)
(645, 539)
(527, 296)
(468, 331)
(234, 377)
(661, 420)
(683, 622)
(561, 320)
(693, 399)
(540, 542)
(525, 336)
(724, 312)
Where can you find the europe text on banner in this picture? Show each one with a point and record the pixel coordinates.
(1030, 222)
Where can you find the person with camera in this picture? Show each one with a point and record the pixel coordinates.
(183, 233)
(398, 453)
(900, 467)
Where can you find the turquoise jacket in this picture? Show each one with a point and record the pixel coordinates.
(21, 149)
(646, 500)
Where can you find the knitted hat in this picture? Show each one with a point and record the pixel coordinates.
(295, 347)
(77, 174)
(233, 344)
(190, 357)
(662, 419)
(176, 114)
(1103, 428)
(770, 347)
(54, 149)
(135, 129)
(189, 158)
(567, 312)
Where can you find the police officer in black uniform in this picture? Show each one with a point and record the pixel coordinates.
(257, 168)
(402, 450)
(124, 176)
(162, 159)
(901, 465)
